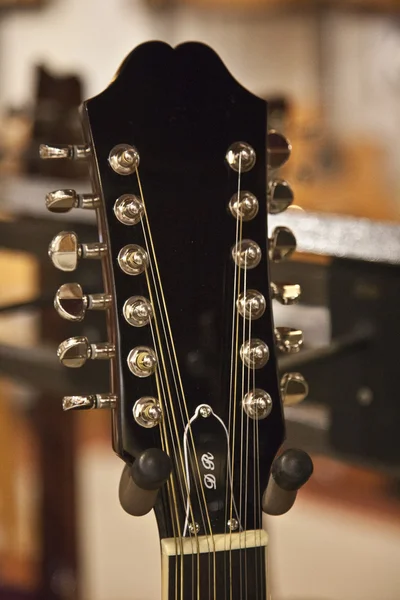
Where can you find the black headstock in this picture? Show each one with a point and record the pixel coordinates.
(178, 153)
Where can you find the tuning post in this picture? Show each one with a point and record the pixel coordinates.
(241, 157)
(147, 412)
(257, 404)
(294, 388)
(89, 402)
(138, 311)
(280, 196)
(251, 305)
(133, 259)
(286, 293)
(124, 159)
(129, 209)
(278, 149)
(247, 254)
(282, 244)
(65, 251)
(62, 201)
(71, 303)
(254, 353)
(75, 351)
(80, 152)
(142, 361)
(288, 339)
(243, 205)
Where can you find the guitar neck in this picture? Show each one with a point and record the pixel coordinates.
(224, 566)
(178, 152)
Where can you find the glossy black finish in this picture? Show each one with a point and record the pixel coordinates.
(182, 109)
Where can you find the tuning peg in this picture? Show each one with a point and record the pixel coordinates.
(282, 244)
(294, 388)
(280, 196)
(47, 152)
(75, 351)
(64, 250)
(288, 339)
(124, 159)
(89, 402)
(71, 303)
(278, 149)
(286, 293)
(61, 201)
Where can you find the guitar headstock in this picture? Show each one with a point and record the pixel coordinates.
(178, 153)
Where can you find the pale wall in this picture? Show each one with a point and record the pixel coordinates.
(92, 36)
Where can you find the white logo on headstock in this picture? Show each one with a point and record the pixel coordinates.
(210, 482)
(208, 461)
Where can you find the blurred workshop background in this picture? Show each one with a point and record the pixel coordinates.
(331, 71)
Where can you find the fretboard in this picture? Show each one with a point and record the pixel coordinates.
(222, 567)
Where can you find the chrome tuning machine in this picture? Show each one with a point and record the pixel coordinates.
(294, 388)
(89, 402)
(71, 303)
(75, 351)
(279, 195)
(282, 244)
(65, 251)
(286, 293)
(62, 201)
(278, 149)
(288, 339)
(66, 151)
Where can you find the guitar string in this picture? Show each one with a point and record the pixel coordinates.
(242, 489)
(235, 376)
(249, 371)
(159, 373)
(167, 412)
(182, 392)
(247, 435)
(185, 407)
(187, 495)
(167, 381)
(170, 487)
(187, 483)
(235, 356)
(229, 484)
(165, 446)
(258, 496)
(173, 506)
(162, 397)
(196, 460)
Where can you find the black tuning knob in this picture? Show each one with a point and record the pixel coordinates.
(141, 481)
(290, 471)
